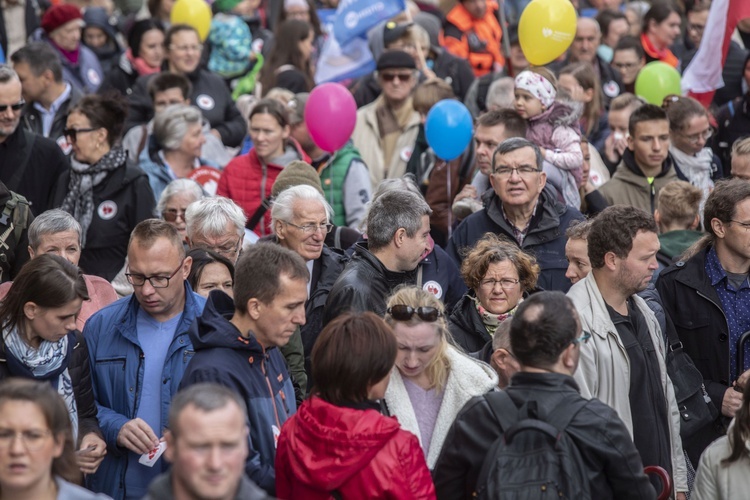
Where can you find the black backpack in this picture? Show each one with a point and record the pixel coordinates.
(532, 459)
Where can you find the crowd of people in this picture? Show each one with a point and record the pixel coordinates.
(198, 300)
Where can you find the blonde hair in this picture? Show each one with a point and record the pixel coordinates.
(429, 93)
(678, 202)
(439, 367)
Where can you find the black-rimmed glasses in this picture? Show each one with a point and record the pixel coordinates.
(15, 107)
(155, 281)
(72, 133)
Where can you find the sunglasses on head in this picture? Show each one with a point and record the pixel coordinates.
(15, 107)
(403, 312)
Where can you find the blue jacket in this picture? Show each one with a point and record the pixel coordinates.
(545, 239)
(158, 173)
(259, 376)
(117, 376)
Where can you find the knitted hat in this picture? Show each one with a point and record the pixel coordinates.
(396, 59)
(225, 5)
(57, 15)
(295, 174)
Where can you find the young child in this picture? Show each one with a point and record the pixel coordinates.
(552, 127)
(230, 39)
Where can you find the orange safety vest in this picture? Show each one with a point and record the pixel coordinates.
(480, 38)
(654, 54)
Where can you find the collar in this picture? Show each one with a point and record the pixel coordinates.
(528, 224)
(56, 104)
(714, 269)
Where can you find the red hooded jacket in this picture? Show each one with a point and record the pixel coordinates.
(358, 453)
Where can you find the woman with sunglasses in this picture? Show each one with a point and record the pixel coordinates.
(40, 341)
(104, 190)
(499, 275)
(432, 380)
(37, 448)
(689, 133)
(174, 201)
(339, 444)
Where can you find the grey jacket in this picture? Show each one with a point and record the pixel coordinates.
(70, 491)
(161, 489)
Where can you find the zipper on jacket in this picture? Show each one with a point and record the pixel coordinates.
(729, 365)
(270, 389)
(651, 181)
(263, 181)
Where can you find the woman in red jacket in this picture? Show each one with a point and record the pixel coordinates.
(338, 444)
(248, 179)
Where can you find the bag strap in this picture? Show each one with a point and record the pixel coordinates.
(507, 414)
(142, 142)
(14, 181)
(259, 213)
(337, 238)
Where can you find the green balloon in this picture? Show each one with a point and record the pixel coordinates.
(656, 81)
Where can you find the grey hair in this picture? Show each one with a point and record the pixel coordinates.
(500, 93)
(52, 222)
(209, 217)
(501, 337)
(283, 205)
(179, 186)
(7, 74)
(394, 209)
(207, 397)
(172, 125)
(514, 143)
(407, 183)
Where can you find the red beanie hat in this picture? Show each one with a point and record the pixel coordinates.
(57, 15)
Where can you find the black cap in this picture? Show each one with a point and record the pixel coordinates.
(393, 31)
(395, 59)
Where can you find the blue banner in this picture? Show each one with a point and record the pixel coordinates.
(355, 17)
(337, 63)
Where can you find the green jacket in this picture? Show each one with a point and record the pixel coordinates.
(332, 176)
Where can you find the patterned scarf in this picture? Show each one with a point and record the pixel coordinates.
(49, 362)
(492, 321)
(79, 202)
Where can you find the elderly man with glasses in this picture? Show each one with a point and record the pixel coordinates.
(139, 349)
(216, 224)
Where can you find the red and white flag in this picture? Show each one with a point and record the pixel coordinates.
(703, 75)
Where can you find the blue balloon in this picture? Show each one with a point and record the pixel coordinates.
(448, 129)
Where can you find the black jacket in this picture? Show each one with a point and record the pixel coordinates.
(364, 285)
(121, 78)
(210, 95)
(121, 201)
(38, 177)
(80, 376)
(545, 239)
(695, 310)
(467, 327)
(733, 120)
(615, 468)
(31, 118)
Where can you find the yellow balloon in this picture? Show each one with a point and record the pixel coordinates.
(195, 13)
(546, 30)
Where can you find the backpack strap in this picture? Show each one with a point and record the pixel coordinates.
(14, 181)
(507, 414)
(142, 142)
(259, 213)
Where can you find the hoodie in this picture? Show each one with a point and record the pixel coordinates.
(349, 452)
(224, 356)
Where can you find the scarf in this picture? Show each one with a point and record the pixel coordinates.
(697, 168)
(79, 202)
(70, 55)
(492, 321)
(664, 55)
(47, 363)
(140, 65)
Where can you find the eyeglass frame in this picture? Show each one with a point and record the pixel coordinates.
(401, 77)
(24, 439)
(745, 225)
(18, 106)
(425, 313)
(695, 138)
(508, 171)
(175, 212)
(484, 283)
(583, 339)
(308, 228)
(129, 277)
(221, 251)
(72, 133)
(187, 48)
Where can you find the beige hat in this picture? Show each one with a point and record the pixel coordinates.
(295, 174)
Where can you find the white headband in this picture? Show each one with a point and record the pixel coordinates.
(538, 86)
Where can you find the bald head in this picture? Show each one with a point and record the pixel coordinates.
(588, 37)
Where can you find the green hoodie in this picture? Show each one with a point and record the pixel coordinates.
(674, 243)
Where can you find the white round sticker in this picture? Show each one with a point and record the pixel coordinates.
(65, 146)
(93, 77)
(434, 288)
(406, 153)
(107, 210)
(205, 102)
(611, 89)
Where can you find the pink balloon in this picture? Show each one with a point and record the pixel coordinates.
(330, 116)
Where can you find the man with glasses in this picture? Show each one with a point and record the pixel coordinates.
(646, 165)
(628, 58)
(237, 343)
(623, 364)
(216, 224)
(547, 339)
(520, 208)
(706, 296)
(139, 349)
(30, 165)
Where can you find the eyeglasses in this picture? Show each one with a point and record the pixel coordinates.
(227, 250)
(389, 77)
(171, 214)
(746, 225)
(621, 66)
(15, 107)
(523, 171)
(695, 138)
(402, 312)
(33, 440)
(72, 133)
(187, 48)
(505, 284)
(698, 28)
(583, 339)
(312, 228)
(155, 281)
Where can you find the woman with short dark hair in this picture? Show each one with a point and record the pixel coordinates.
(339, 443)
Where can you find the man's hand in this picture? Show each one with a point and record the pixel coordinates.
(89, 459)
(680, 496)
(137, 436)
(468, 191)
(731, 402)
(740, 384)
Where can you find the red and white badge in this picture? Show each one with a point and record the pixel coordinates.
(434, 288)
(107, 210)
(93, 77)
(65, 146)
(205, 102)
